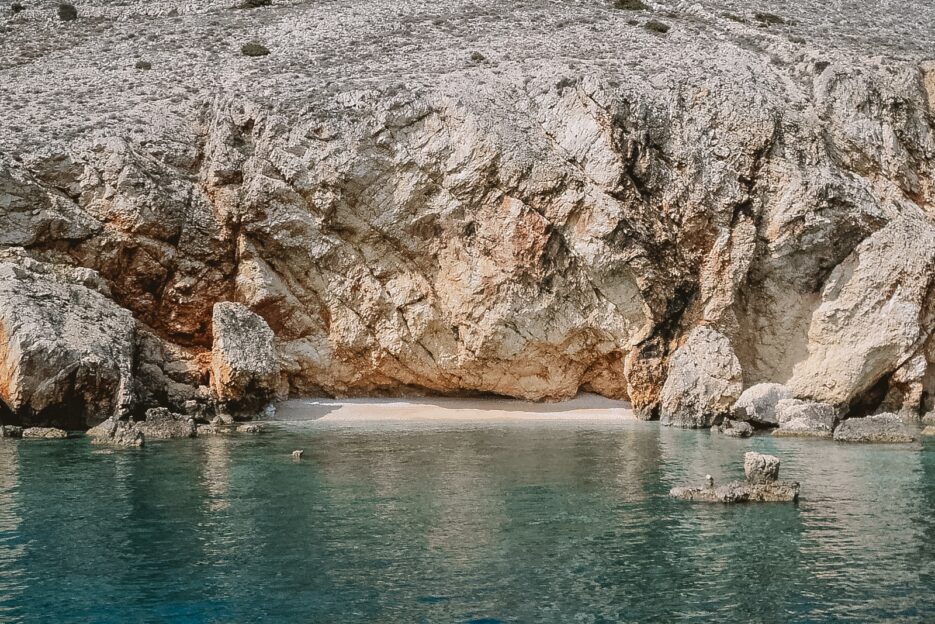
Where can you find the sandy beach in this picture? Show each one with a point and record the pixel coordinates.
(583, 408)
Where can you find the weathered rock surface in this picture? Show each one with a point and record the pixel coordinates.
(704, 380)
(760, 468)
(740, 492)
(244, 362)
(877, 428)
(762, 472)
(66, 349)
(118, 433)
(161, 424)
(665, 218)
(44, 433)
(799, 418)
(735, 428)
(758, 403)
(11, 431)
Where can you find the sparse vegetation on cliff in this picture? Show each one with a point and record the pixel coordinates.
(630, 5)
(67, 12)
(254, 49)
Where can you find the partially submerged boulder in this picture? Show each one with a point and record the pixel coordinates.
(161, 424)
(761, 486)
(44, 433)
(704, 380)
(66, 350)
(735, 428)
(758, 403)
(885, 428)
(805, 419)
(244, 361)
(740, 492)
(10, 431)
(118, 433)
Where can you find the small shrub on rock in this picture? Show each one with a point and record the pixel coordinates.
(254, 49)
(67, 12)
(255, 4)
(477, 57)
(144, 65)
(630, 5)
(16, 7)
(656, 27)
(769, 19)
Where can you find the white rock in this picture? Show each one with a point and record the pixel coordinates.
(704, 380)
(244, 361)
(758, 403)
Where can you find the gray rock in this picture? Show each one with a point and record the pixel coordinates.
(760, 468)
(210, 430)
(758, 403)
(740, 492)
(161, 424)
(10, 431)
(735, 428)
(44, 433)
(704, 380)
(117, 433)
(65, 348)
(805, 419)
(244, 362)
(885, 428)
(250, 428)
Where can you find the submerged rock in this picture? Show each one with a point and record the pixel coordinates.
(45, 433)
(758, 403)
(884, 428)
(805, 419)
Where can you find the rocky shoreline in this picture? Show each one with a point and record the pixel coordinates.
(728, 223)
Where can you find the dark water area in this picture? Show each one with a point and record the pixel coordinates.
(440, 523)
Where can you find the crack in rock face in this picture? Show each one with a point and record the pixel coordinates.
(670, 219)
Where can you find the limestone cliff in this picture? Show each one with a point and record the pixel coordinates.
(465, 198)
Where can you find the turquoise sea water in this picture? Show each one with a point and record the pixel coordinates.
(433, 523)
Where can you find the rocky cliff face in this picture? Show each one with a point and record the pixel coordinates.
(585, 204)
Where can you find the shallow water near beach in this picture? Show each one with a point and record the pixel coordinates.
(460, 522)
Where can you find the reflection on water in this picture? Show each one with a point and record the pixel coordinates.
(12, 574)
(433, 523)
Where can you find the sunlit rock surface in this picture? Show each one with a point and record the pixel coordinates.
(561, 211)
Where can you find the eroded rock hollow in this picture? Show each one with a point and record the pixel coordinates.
(372, 210)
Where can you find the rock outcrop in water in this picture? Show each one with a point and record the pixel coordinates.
(761, 485)
(371, 209)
